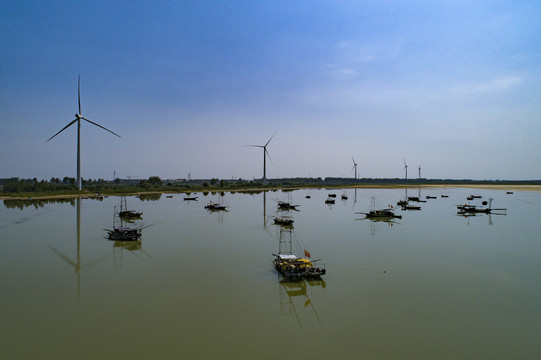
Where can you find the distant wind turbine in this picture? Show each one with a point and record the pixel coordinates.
(354, 166)
(419, 171)
(265, 154)
(78, 118)
(406, 168)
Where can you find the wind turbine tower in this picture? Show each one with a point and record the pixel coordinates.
(406, 168)
(354, 166)
(419, 172)
(265, 154)
(78, 118)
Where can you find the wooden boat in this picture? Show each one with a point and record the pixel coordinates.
(332, 195)
(379, 213)
(402, 203)
(430, 197)
(125, 213)
(468, 208)
(292, 268)
(445, 196)
(284, 221)
(192, 198)
(215, 206)
(283, 205)
(124, 233)
(411, 207)
(329, 201)
(130, 214)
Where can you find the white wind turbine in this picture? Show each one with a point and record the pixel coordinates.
(78, 118)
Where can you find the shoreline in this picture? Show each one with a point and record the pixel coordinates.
(257, 190)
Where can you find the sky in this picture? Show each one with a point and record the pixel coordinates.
(450, 86)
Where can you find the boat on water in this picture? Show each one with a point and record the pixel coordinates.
(332, 195)
(284, 205)
(215, 206)
(125, 213)
(292, 268)
(283, 221)
(123, 233)
(468, 208)
(329, 201)
(411, 207)
(379, 213)
(431, 197)
(402, 203)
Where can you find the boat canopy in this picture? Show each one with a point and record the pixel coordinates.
(287, 257)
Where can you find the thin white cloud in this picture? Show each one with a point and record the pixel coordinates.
(498, 84)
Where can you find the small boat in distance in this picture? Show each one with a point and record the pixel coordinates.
(193, 198)
(329, 201)
(379, 213)
(212, 206)
(283, 205)
(283, 221)
(467, 208)
(125, 213)
(332, 195)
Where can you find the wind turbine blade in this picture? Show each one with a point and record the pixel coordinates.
(65, 127)
(98, 125)
(79, 93)
(271, 138)
(353, 160)
(267, 153)
(261, 146)
(405, 163)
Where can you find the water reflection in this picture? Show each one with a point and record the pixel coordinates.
(134, 248)
(21, 204)
(150, 197)
(76, 264)
(294, 298)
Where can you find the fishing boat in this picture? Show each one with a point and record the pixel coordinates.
(284, 205)
(402, 203)
(215, 206)
(379, 213)
(411, 207)
(190, 198)
(125, 213)
(292, 268)
(123, 233)
(344, 196)
(468, 208)
(329, 201)
(332, 195)
(283, 221)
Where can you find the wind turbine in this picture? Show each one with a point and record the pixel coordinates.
(419, 172)
(78, 118)
(354, 166)
(406, 168)
(265, 154)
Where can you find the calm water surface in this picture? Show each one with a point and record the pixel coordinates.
(200, 285)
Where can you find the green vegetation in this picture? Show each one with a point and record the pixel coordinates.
(15, 187)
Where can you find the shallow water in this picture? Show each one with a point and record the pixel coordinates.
(201, 285)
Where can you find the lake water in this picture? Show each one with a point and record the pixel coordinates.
(200, 285)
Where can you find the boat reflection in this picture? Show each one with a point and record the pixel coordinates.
(295, 298)
(378, 222)
(134, 248)
(467, 216)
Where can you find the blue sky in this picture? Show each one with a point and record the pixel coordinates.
(451, 86)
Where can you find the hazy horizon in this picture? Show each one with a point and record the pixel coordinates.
(451, 86)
